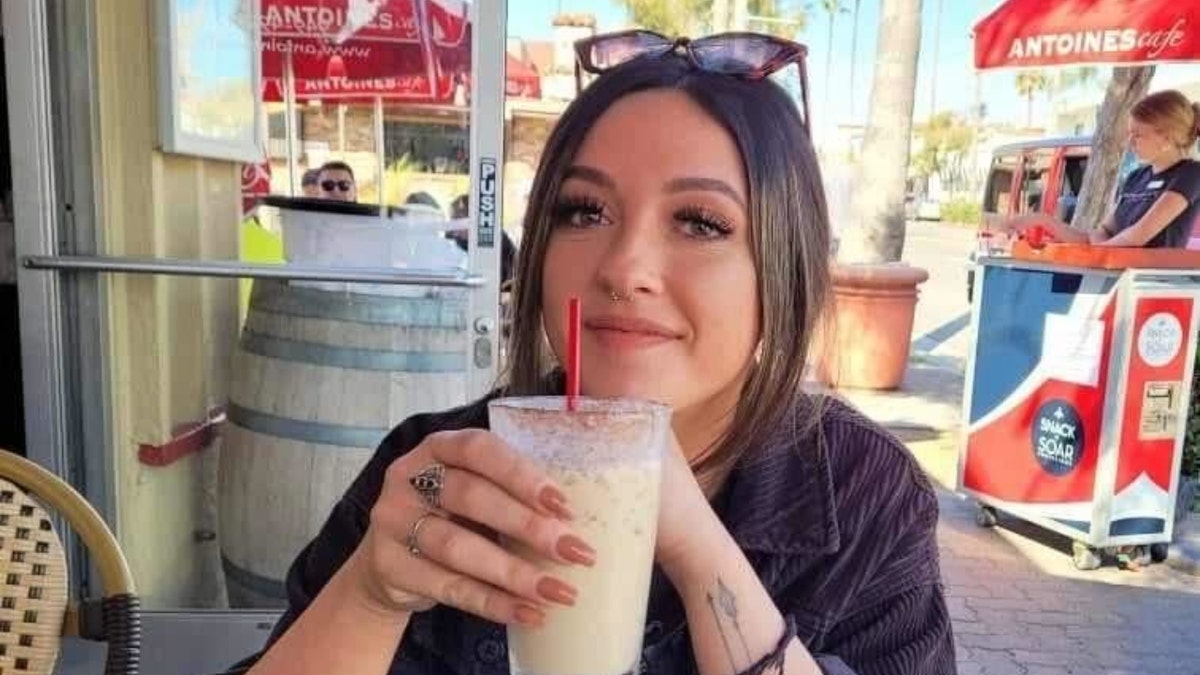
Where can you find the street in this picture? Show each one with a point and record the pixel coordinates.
(940, 325)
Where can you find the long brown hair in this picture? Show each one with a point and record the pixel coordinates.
(790, 240)
(1173, 115)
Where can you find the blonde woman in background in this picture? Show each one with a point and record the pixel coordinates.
(1159, 202)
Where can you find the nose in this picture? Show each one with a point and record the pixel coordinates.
(634, 258)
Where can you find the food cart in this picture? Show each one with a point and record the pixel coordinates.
(1077, 391)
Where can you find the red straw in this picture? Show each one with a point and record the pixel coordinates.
(573, 319)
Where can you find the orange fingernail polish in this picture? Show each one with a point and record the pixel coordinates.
(529, 616)
(554, 501)
(573, 549)
(557, 591)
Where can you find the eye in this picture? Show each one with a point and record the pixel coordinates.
(579, 212)
(701, 223)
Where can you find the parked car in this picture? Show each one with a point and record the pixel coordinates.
(920, 202)
(1041, 176)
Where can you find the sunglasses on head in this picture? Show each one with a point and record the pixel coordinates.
(746, 56)
(342, 185)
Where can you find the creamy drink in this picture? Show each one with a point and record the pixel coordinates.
(607, 457)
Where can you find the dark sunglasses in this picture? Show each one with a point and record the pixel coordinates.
(342, 185)
(747, 56)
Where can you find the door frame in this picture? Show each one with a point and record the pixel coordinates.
(53, 125)
(28, 73)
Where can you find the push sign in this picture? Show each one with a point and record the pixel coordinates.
(1057, 437)
(485, 227)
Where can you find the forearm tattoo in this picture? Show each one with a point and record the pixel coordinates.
(724, 609)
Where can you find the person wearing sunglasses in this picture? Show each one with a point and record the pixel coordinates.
(336, 181)
(310, 183)
(679, 198)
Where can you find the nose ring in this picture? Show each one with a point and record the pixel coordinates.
(617, 297)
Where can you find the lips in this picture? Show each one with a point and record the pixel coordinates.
(630, 331)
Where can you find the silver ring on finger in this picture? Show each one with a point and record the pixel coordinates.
(428, 483)
(414, 547)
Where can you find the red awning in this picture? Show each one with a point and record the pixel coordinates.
(356, 50)
(522, 81)
(1035, 33)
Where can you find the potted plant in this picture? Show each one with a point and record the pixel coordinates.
(866, 341)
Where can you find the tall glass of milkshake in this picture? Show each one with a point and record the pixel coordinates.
(607, 456)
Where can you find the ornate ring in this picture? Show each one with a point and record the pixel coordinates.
(414, 548)
(428, 483)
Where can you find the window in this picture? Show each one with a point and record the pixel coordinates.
(427, 147)
(999, 185)
(1034, 181)
(1073, 170)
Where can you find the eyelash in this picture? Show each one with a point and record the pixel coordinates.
(568, 208)
(695, 215)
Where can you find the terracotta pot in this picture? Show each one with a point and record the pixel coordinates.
(869, 332)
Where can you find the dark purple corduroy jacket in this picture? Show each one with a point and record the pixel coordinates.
(838, 523)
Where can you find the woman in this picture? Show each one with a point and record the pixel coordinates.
(679, 198)
(1159, 203)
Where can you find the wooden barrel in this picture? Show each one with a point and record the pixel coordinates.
(319, 379)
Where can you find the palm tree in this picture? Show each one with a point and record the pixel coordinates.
(879, 211)
(784, 18)
(1077, 77)
(853, 54)
(1067, 79)
(832, 9)
(669, 17)
(937, 44)
(690, 17)
(1029, 83)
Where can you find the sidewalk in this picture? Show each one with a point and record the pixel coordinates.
(1018, 604)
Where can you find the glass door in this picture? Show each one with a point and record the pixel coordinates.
(214, 343)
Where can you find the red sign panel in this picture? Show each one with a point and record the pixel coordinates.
(1035, 33)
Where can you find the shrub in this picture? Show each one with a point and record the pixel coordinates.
(1191, 441)
(961, 210)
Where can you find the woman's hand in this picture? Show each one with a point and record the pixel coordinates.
(687, 524)
(1021, 224)
(488, 489)
(1059, 231)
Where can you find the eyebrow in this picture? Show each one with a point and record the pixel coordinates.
(590, 175)
(598, 177)
(707, 185)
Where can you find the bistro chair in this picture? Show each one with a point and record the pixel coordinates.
(35, 609)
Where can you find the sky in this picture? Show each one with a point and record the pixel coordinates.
(956, 84)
